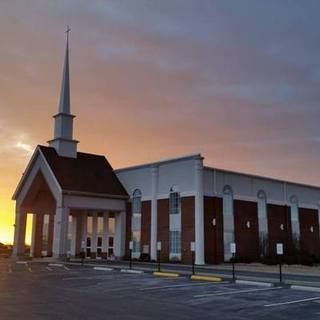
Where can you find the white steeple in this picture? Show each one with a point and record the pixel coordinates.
(63, 121)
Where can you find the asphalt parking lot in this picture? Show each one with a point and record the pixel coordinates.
(38, 291)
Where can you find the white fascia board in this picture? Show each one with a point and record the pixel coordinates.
(159, 163)
(262, 177)
(25, 173)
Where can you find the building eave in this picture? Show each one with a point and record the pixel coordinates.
(93, 195)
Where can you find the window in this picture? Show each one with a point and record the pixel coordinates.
(174, 202)
(99, 225)
(89, 224)
(174, 223)
(136, 221)
(175, 242)
(136, 236)
(111, 225)
(136, 201)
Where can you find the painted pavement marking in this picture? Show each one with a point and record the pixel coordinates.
(182, 285)
(291, 302)
(235, 292)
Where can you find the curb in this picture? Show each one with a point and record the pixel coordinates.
(102, 269)
(131, 271)
(305, 288)
(255, 283)
(60, 265)
(166, 274)
(22, 262)
(205, 278)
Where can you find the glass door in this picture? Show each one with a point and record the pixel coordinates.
(88, 247)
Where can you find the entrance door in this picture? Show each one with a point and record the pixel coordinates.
(88, 247)
(99, 247)
(110, 247)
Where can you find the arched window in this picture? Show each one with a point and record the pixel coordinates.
(228, 221)
(174, 201)
(263, 223)
(295, 225)
(136, 201)
(136, 223)
(227, 201)
(174, 224)
(262, 204)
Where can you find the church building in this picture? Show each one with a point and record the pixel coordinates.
(82, 206)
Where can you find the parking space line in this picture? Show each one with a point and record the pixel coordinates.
(49, 269)
(10, 268)
(182, 285)
(29, 269)
(235, 292)
(66, 268)
(291, 302)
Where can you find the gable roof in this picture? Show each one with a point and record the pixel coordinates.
(87, 174)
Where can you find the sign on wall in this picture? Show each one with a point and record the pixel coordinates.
(279, 249)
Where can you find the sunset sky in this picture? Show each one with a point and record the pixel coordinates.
(238, 81)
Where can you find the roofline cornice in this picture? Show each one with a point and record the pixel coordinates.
(94, 195)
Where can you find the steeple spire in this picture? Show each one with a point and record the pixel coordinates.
(64, 106)
(63, 121)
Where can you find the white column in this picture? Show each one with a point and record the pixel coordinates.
(73, 227)
(20, 232)
(94, 233)
(199, 219)
(78, 240)
(154, 213)
(60, 232)
(105, 232)
(33, 236)
(120, 234)
(84, 231)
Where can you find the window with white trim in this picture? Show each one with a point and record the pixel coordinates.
(174, 224)
(174, 202)
(136, 221)
(175, 242)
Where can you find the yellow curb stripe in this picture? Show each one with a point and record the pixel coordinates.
(206, 278)
(166, 274)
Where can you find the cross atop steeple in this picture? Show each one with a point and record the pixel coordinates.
(63, 129)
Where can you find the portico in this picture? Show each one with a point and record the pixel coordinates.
(68, 222)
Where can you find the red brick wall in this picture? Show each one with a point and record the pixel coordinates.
(247, 239)
(145, 224)
(128, 227)
(278, 215)
(163, 228)
(213, 235)
(309, 241)
(187, 227)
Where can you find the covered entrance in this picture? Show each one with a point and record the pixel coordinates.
(74, 212)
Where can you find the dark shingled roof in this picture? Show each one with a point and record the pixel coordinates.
(88, 173)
